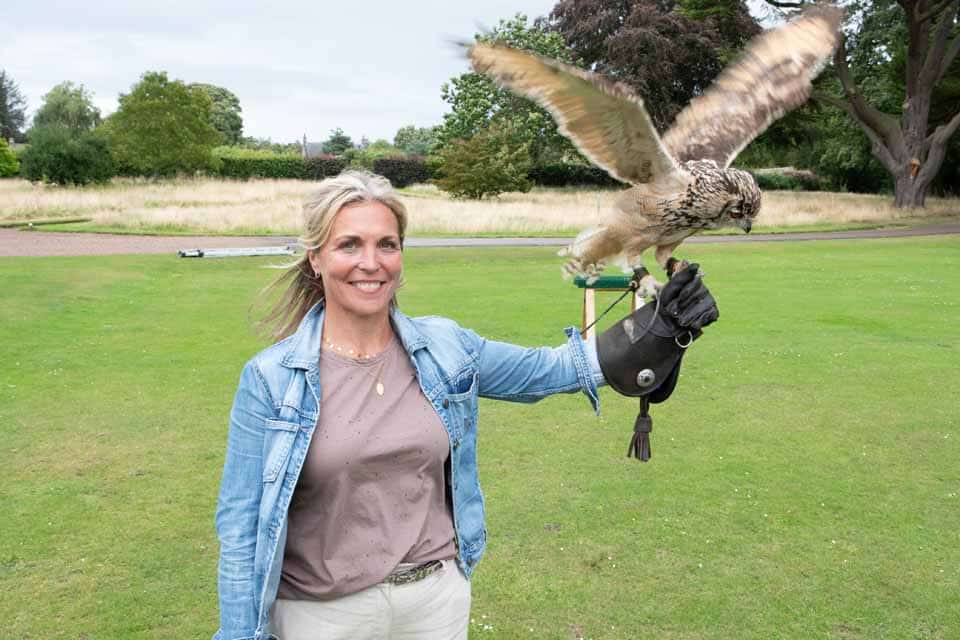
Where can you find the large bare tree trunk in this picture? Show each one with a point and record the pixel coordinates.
(909, 193)
(903, 145)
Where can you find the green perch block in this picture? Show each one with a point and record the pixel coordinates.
(604, 282)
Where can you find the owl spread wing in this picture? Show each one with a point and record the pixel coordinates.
(605, 120)
(773, 76)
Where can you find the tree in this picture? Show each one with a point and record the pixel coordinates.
(12, 108)
(668, 51)
(60, 156)
(338, 143)
(225, 114)
(9, 165)
(488, 164)
(897, 57)
(476, 103)
(364, 155)
(418, 141)
(162, 127)
(69, 106)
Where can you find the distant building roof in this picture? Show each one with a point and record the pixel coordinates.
(314, 149)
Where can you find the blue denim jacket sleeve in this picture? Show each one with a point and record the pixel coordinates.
(239, 505)
(522, 374)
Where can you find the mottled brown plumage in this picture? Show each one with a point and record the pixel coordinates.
(681, 183)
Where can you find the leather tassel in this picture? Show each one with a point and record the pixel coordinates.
(640, 443)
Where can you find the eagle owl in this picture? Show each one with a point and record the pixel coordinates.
(681, 182)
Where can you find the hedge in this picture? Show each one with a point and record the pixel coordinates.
(402, 171)
(243, 164)
(323, 167)
(563, 175)
(788, 179)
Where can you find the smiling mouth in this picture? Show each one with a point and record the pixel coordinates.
(367, 286)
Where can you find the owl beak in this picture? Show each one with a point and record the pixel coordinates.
(745, 224)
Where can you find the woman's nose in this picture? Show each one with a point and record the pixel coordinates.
(368, 259)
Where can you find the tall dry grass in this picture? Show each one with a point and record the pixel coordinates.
(273, 206)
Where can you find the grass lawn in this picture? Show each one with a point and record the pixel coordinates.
(804, 483)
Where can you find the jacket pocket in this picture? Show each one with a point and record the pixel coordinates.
(277, 443)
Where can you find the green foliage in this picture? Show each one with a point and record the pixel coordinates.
(788, 180)
(402, 171)
(488, 164)
(243, 164)
(364, 156)
(321, 167)
(476, 103)
(68, 106)
(270, 145)
(9, 164)
(566, 174)
(338, 143)
(12, 108)
(57, 155)
(417, 141)
(225, 113)
(162, 128)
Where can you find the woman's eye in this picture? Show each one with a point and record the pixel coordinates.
(347, 245)
(389, 244)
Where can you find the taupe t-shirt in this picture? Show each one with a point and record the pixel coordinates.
(372, 492)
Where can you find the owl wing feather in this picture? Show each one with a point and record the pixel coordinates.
(605, 120)
(773, 76)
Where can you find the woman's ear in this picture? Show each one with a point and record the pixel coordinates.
(314, 260)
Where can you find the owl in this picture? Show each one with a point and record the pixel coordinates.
(681, 182)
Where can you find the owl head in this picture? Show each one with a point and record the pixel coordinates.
(743, 200)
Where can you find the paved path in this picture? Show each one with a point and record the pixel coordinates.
(42, 243)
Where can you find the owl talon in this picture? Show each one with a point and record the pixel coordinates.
(649, 287)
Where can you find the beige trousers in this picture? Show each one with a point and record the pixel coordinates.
(435, 608)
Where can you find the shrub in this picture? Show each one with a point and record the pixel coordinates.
(9, 165)
(402, 171)
(56, 156)
(563, 175)
(323, 167)
(487, 164)
(787, 179)
(243, 164)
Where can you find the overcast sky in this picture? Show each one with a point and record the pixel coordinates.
(369, 67)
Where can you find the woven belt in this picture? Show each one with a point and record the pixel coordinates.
(412, 574)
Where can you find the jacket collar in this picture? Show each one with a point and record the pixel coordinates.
(304, 344)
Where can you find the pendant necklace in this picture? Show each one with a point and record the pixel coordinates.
(360, 355)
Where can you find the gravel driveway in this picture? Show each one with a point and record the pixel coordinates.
(40, 243)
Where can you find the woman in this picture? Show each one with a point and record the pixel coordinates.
(350, 505)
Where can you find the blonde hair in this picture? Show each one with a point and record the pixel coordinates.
(303, 289)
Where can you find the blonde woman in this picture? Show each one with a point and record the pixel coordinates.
(350, 505)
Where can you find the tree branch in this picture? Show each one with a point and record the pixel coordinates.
(880, 146)
(936, 147)
(948, 58)
(937, 7)
(932, 66)
(945, 131)
(882, 124)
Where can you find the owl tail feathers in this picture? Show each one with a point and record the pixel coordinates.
(578, 250)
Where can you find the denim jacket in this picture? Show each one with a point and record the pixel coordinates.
(275, 412)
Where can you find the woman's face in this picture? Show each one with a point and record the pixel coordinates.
(360, 262)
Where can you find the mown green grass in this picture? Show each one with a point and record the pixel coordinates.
(804, 482)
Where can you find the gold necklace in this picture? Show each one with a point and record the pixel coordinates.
(346, 351)
(353, 353)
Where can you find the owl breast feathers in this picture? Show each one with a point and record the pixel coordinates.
(682, 182)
